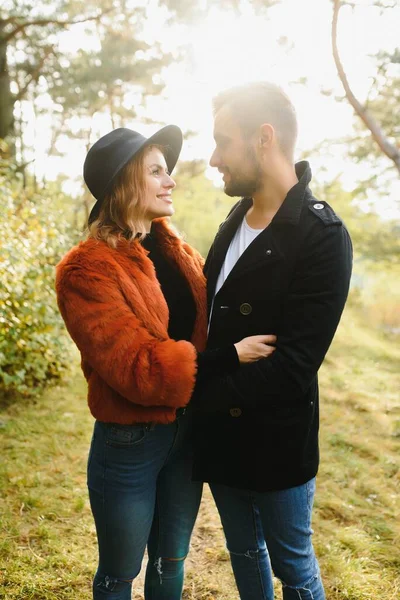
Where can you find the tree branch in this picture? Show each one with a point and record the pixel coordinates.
(43, 22)
(4, 22)
(384, 144)
(21, 92)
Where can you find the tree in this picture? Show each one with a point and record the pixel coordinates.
(32, 62)
(379, 115)
(30, 51)
(28, 46)
(195, 11)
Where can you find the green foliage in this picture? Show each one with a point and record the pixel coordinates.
(33, 344)
(103, 79)
(375, 241)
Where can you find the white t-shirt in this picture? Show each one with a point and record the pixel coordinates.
(240, 241)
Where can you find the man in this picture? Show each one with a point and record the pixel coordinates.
(281, 264)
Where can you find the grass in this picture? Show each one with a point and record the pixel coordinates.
(48, 544)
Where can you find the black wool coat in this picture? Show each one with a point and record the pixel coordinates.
(257, 428)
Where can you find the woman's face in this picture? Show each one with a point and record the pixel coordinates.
(159, 184)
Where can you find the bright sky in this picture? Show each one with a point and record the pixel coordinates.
(224, 50)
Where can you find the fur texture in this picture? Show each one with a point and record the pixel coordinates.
(116, 314)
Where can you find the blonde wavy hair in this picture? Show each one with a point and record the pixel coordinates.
(123, 209)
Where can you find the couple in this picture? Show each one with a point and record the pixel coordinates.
(187, 381)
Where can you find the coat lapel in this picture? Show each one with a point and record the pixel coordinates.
(221, 244)
(263, 251)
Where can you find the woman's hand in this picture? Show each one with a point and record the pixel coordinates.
(253, 348)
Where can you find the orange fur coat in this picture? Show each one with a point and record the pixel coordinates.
(116, 314)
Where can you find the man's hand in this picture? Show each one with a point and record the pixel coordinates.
(253, 348)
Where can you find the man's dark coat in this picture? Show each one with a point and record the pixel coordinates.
(257, 428)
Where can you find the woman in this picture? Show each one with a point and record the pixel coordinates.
(133, 299)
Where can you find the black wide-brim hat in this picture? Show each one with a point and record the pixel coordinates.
(109, 155)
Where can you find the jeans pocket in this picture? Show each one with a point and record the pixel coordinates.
(125, 436)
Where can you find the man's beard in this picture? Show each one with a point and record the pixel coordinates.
(245, 184)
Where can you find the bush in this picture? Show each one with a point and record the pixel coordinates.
(34, 347)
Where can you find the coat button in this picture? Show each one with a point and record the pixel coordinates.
(245, 308)
(319, 206)
(235, 412)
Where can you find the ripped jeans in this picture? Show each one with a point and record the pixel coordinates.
(141, 494)
(270, 529)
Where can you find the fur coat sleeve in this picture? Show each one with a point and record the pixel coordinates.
(136, 360)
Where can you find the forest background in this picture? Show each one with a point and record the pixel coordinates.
(71, 71)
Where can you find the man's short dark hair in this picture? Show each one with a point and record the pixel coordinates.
(253, 104)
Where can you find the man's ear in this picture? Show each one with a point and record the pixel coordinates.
(266, 136)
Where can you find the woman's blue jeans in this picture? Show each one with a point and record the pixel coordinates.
(141, 494)
(271, 529)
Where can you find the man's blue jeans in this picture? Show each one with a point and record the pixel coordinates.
(271, 529)
(141, 493)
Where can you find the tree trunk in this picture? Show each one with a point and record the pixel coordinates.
(6, 97)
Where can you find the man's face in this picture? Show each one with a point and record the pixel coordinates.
(234, 157)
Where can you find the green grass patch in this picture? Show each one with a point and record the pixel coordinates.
(48, 544)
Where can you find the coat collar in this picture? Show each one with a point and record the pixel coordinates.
(161, 231)
(268, 244)
(290, 210)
